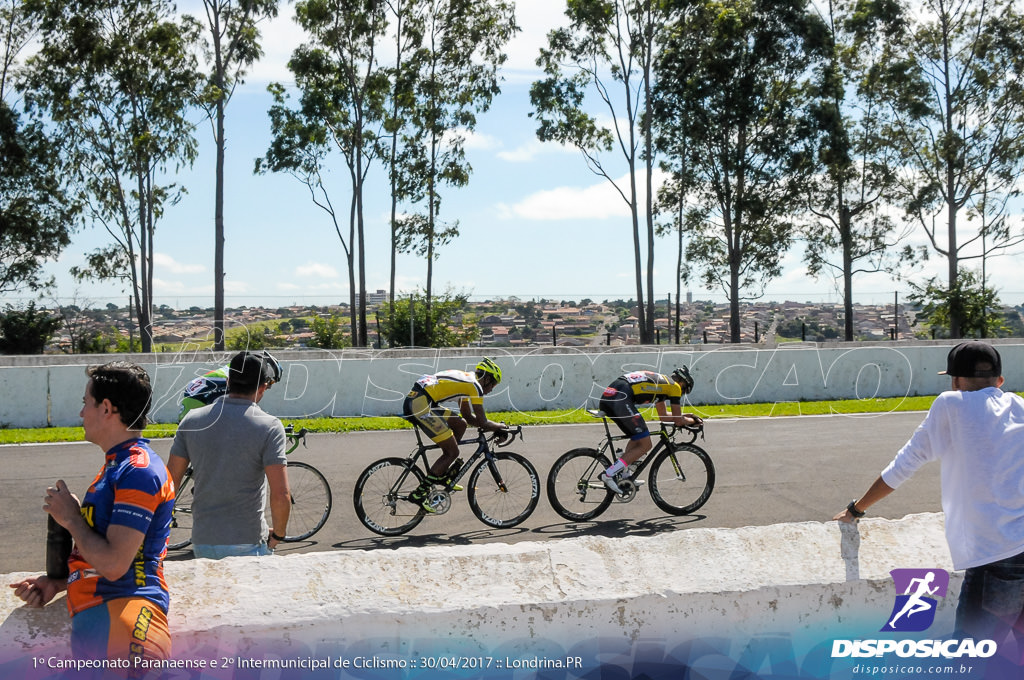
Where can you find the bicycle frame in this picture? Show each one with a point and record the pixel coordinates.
(665, 435)
(483, 448)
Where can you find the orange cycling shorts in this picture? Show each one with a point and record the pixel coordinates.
(126, 628)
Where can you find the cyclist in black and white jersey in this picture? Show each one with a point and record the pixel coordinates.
(619, 402)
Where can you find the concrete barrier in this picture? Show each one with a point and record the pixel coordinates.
(374, 383)
(771, 596)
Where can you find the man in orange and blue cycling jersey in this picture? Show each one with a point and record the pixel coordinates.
(445, 428)
(117, 596)
(619, 402)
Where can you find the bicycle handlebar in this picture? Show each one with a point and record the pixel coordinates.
(512, 434)
(670, 429)
(489, 436)
(296, 437)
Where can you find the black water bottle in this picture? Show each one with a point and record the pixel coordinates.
(58, 549)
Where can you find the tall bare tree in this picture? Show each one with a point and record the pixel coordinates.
(341, 108)
(607, 51)
(456, 79)
(232, 46)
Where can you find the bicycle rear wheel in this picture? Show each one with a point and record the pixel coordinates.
(311, 501)
(682, 479)
(505, 494)
(574, 490)
(181, 518)
(381, 497)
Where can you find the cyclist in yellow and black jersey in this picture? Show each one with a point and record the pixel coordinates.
(423, 408)
(619, 402)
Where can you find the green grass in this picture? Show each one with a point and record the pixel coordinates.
(72, 434)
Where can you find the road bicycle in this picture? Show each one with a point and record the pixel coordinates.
(310, 492)
(503, 489)
(681, 480)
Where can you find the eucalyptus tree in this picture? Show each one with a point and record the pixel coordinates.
(958, 102)
(606, 54)
(407, 32)
(232, 46)
(737, 73)
(36, 218)
(17, 30)
(342, 94)
(116, 80)
(669, 126)
(851, 230)
(456, 79)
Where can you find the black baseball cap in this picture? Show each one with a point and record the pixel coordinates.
(963, 361)
(249, 370)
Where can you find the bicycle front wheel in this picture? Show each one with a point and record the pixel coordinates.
(381, 497)
(682, 479)
(311, 501)
(574, 490)
(181, 518)
(504, 492)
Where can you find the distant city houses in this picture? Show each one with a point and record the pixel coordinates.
(506, 322)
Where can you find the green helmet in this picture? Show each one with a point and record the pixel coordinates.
(488, 367)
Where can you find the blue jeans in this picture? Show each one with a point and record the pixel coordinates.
(216, 552)
(992, 600)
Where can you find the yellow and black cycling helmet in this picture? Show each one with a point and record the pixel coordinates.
(682, 376)
(488, 367)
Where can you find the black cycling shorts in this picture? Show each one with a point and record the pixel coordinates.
(617, 403)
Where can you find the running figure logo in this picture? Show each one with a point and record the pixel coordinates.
(914, 610)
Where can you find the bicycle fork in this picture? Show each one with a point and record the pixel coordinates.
(489, 457)
(680, 475)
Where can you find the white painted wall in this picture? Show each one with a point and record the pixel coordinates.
(40, 391)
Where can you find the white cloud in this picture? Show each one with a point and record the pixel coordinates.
(167, 264)
(529, 151)
(595, 202)
(316, 270)
(478, 141)
(536, 18)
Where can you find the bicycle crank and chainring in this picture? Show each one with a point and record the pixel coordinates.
(441, 501)
(628, 491)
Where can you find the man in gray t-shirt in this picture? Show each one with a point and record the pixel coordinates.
(236, 451)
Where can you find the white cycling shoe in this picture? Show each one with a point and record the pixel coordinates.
(609, 481)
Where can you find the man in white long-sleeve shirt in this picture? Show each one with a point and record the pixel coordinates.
(976, 432)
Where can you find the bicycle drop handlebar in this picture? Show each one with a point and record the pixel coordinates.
(295, 437)
(489, 436)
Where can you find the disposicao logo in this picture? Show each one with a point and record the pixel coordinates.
(921, 589)
(917, 596)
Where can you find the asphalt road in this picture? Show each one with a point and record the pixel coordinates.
(769, 470)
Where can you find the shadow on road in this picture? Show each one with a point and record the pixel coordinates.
(607, 528)
(619, 527)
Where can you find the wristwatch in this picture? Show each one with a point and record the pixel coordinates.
(852, 507)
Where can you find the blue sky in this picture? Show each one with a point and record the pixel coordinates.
(534, 221)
